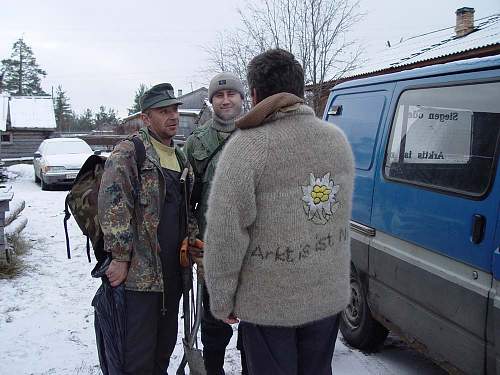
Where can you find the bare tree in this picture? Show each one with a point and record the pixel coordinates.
(315, 31)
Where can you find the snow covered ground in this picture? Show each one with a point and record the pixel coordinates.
(46, 321)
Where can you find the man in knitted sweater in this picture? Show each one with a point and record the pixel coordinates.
(277, 253)
(203, 149)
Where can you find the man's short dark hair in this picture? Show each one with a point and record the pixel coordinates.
(275, 71)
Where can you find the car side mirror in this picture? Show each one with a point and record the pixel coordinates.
(97, 152)
(37, 155)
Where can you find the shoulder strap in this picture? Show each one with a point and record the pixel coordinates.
(197, 189)
(218, 148)
(140, 153)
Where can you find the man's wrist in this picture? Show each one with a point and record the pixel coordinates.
(120, 257)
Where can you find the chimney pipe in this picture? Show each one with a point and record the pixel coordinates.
(179, 92)
(465, 21)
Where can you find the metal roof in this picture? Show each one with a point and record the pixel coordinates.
(432, 45)
(427, 71)
(32, 112)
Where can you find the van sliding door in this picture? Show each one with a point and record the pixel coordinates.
(435, 211)
(360, 113)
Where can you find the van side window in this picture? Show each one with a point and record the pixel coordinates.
(359, 118)
(446, 138)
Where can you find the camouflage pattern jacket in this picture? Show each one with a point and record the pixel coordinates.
(199, 146)
(129, 211)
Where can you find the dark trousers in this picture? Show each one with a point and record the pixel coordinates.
(304, 350)
(215, 336)
(151, 336)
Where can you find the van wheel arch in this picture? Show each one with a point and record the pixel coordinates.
(357, 324)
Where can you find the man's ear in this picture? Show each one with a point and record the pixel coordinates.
(254, 97)
(145, 118)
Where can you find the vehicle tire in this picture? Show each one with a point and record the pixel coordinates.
(357, 324)
(44, 185)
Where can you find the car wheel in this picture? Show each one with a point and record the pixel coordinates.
(45, 186)
(357, 324)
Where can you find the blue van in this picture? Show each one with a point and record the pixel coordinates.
(425, 229)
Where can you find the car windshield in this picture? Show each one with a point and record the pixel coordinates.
(67, 148)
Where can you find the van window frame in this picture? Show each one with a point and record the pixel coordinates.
(434, 188)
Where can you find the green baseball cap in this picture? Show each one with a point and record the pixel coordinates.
(161, 95)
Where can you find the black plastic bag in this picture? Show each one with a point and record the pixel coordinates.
(109, 323)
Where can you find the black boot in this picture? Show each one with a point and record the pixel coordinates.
(214, 361)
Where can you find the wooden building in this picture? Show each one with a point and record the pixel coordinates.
(26, 122)
(194, 99)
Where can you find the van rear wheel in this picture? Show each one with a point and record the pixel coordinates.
(357, 324)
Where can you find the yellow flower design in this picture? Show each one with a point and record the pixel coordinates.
(319, 199)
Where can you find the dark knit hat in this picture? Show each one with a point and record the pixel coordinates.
(225, 81)
(161, 95)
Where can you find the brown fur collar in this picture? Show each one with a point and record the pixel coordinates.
(267, 107)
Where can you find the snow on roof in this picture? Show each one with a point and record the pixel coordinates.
(189, 111)
(433, 45)
(36, 112)
(4, 108)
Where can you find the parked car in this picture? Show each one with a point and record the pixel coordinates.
(58, 160)
(425, 220)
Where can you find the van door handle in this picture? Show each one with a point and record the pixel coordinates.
(478, 225)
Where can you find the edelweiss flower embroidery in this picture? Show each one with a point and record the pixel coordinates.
(320, 202)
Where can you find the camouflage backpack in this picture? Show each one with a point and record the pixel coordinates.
(82, 201)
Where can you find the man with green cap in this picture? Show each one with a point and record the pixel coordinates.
(142, 214)
(203, 149)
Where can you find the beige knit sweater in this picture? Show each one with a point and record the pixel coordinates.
(277, 240)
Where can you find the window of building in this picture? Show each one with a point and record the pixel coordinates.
(6, 138)
(446, 138)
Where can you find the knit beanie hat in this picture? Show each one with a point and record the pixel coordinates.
(225, 81)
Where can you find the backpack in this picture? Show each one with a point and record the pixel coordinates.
(82, 201)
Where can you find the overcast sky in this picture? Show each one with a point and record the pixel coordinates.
(100, 51)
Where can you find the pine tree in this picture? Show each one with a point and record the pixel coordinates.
(84, 122)
(137, 99)
(22, 76)
(62, 110)
(106, 119)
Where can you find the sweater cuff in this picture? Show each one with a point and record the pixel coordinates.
(220, 307)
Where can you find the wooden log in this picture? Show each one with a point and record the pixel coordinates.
(16, 207)
(15, 227)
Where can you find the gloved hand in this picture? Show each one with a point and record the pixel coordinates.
(191, 253)
(192, 230)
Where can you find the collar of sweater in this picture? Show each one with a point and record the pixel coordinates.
(225, 126)
(264, 110)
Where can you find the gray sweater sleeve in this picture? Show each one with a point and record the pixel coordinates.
(231, 211)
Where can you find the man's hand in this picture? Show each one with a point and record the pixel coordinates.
(117, 272)
(231, 319)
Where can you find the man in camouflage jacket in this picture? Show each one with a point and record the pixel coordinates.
(203, 149)
(142, 215)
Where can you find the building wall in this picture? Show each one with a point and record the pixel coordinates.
(23, 143)
(194, 100)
